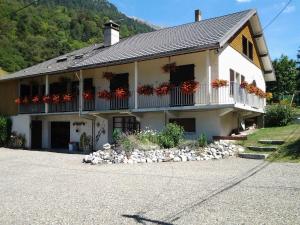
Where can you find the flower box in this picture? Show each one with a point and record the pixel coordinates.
(104, 95)
(145, 90)
(163, 89)
(121, 93)
(219, 83)
(189, 87)
(46, 99)
(67, 98)
(88, 96)
(35, 100)
(55, 99)
(170, 67)
(108, 75)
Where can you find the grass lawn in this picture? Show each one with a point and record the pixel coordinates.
(290, 151)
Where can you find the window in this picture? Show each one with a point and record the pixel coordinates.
(242, 78)
(231, 82)
(250, 50)
(247, 47)
(88, 84)
(188, 124)
(126, 124)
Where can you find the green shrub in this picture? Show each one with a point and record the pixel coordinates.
(85, 143)
(5, 130)
(202, 140)
(126, 144)
(116, 135)
(170, 136)
(278, 115)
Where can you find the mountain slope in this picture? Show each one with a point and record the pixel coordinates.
(50, 28)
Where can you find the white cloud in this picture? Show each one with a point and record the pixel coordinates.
(243, 1)
(290, 9)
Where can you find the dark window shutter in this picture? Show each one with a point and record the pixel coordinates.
(250, 50)
(245, 45)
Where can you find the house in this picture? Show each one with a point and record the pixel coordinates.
(192, 74)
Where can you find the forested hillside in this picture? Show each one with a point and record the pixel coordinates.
(49, 28)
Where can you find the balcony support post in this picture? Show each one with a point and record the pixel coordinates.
(80, 92)
(136, 85)
(208, 72)
(46, 92)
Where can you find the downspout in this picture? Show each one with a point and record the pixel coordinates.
(80, 109)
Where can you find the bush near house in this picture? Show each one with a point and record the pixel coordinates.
(278, 115)
(5, 130)
(170, 136)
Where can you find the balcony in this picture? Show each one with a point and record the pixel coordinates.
(32, 108)
(204, 96)
(230, 94)
(72, 106)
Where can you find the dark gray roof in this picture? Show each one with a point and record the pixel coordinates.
(192, 36)
(61, 63)
(196, 36)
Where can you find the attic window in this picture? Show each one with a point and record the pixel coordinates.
(247, 48)
(62, 59)
(78, 56)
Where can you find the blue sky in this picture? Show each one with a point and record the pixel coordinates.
(283, 36)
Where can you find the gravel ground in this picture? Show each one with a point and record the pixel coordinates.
(53, 188)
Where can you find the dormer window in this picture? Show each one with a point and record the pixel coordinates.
(247, 47)
(78, 56)
(62, 59)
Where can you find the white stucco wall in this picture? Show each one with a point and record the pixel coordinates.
(207, 122)
(100, 124)
(229, 58)
(21, 125)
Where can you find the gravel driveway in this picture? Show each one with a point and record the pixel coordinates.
(54, 188)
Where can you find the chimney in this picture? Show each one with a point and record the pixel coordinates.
(111, 33)
(198, 15)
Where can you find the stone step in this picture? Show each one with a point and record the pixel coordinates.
(253, 156)
(262, 148)
(272, 142)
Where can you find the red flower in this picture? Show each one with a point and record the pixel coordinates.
(121, 93)
(67, 98)
(88, 95)
(244, 84)
(46, 99)
(108, 75)
(169, 67)
(145, 90)
(163, 89)
(55, 99)
(35, 99)
(219, 83)
(189, 87)
(104, 94)
(18, 101)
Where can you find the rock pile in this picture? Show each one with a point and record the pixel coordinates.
(216, 150)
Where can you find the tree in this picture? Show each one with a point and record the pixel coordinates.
(286, 75)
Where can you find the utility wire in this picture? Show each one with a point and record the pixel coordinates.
(20, 9)
(278, 14)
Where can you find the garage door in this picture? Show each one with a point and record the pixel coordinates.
(60, 135)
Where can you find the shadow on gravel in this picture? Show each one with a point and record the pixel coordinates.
(143, 220)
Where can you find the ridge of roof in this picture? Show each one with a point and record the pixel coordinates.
(207, 33)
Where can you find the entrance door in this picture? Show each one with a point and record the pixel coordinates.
(177, 77)
(60, 135)
(36, 134)
(119, 81)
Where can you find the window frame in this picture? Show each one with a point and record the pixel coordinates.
(191, 119)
